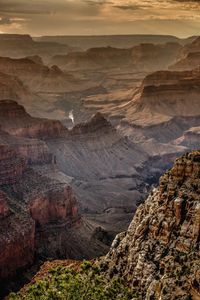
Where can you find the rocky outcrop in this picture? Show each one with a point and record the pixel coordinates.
(93, 59)
(150, 57)
(97, 123)
(12, 165)
(16, 121)
(189, 62)
(192, 47)
(164, 95)
(55, 205)
(144, 57)
(17, 244)
(159, 254)
(35, 75)
(4, 208)
(17, 237)
(19, 45)
(11, 109)
(190, 139)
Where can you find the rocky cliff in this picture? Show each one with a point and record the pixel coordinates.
(189, 62)
(19, 45)
(191, 138)
(35, 75)
(16, 121)
(150, 57)
(144, 57)
(39, 215)
(192, 47)
(164, 95)
(159, 254)
(17, 237)
(12, 165)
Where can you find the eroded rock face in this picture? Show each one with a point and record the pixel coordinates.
(97, 123)
(189, 62)
(4, 208)
(191, 138)
(150, 57)
(17, 245)
(57, 205)
(164, 95)
(16, 121)
(159, 255)
(17, 237)
(12, 165)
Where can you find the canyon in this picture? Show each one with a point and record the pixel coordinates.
(85, 135)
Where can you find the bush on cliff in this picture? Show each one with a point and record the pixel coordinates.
(66, 284)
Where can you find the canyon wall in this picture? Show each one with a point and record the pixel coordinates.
(159, 254)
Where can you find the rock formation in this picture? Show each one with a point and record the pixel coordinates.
(159, 254)
(189, 62)
(11, 165)
(144, 57)
(192, 47)
(36, 198)
(117, 41)
(150, 57)
(164, 95)
(190, 139)
(36, 76)
(26, 126)
(20, 45)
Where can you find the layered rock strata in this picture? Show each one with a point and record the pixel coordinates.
(159, 254)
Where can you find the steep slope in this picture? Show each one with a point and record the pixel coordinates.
(110, 173)
(159, 254)
(192, 47)
(189, 57)
(189, 62)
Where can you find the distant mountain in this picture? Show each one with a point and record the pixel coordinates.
(16, 46)
(118, 41)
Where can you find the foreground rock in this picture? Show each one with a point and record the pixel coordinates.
(159, 254)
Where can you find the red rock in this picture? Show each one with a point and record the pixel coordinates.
(12, 165)
(54, 205)
(4, 208)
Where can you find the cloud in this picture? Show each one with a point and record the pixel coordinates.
(98, 16)
(102, 2)
(188, 1)
(128, 7)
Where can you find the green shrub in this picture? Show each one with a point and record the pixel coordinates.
(66, 284)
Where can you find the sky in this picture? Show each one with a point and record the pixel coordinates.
(96, 17)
